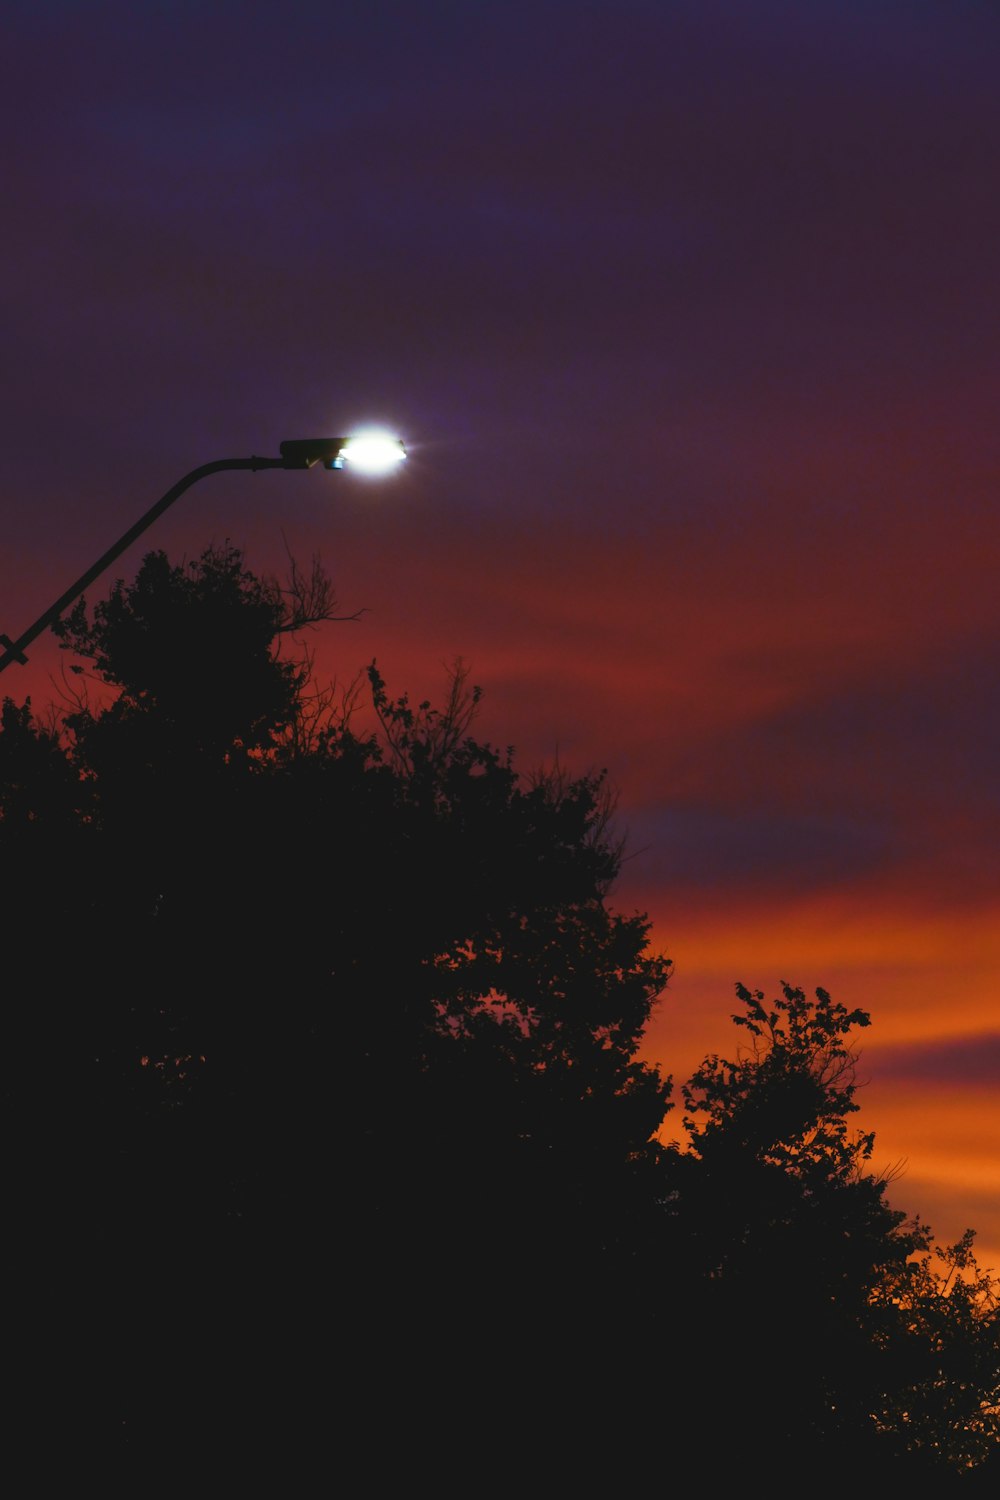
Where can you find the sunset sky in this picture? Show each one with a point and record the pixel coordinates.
(688, 314)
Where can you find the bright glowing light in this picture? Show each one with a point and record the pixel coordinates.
(372, 452)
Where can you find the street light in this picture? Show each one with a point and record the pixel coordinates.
(368, 452)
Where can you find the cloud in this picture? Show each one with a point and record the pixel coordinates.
(972, 1061)
(748, 847)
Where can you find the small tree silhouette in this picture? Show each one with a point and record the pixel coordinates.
(798, 1265)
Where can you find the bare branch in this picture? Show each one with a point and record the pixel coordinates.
(308, 598)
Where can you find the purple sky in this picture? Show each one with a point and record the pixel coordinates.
(688, 313)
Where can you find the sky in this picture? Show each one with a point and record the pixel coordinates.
(688, 315)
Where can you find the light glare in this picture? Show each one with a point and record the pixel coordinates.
(372, 452)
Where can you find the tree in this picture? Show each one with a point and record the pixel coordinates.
(360, 981)
(303, 1014)
(797, 1265)
(395, 923)
(189, 652)
(36, 778)
(937, 1326)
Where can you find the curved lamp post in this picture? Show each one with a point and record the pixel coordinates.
(370, 453)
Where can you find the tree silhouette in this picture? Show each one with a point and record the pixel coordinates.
(316, 937)
(798, 1267)
(315, 1024)
(190, 654)
(351, 989)
(936, 1323)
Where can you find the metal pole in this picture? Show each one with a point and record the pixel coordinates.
(14, 650)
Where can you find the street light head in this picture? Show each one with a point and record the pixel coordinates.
(302, 453)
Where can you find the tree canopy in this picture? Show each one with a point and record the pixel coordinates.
(796, 1261)
(295, 990)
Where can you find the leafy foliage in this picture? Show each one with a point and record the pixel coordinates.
(297, 986)
(937, 1324)
(37, 784)
(793, 1255)
(784, 1101)
(293, 901)
(189, 650)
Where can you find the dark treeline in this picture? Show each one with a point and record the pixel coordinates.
(325, 1125)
